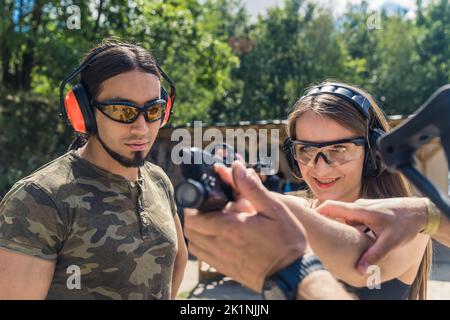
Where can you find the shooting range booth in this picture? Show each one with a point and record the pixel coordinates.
(430, 158)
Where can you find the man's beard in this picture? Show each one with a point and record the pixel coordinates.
(137, 161)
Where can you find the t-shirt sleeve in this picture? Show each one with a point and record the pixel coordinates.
(160, 175)
(173, 204)
(171, 193)
(30, 222)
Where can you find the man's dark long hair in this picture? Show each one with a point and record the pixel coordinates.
(112, 58)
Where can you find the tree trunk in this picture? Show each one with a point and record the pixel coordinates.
(7, 32)
(100, 10)
(28, 55)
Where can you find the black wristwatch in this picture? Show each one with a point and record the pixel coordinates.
(283, 284)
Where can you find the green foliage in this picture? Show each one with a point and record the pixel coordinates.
(31, 135)
(226, 66)
(433, 47)
(290, 48)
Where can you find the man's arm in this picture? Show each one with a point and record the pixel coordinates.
(321, 285)
(396, 221)
(238, 243)
(31, 235)
(180, 260)
(340, 246)
(23, 276)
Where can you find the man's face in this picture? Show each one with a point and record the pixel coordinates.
(129, 144)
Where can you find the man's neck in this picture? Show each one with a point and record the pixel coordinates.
(93, 152)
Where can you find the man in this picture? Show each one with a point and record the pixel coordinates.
(395, 221)
(238, 243)
(99, 222)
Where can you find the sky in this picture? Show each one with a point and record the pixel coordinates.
(256, 7)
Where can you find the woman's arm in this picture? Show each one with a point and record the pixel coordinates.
(443, 233)
(339, 246)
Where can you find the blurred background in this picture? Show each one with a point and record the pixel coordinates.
(231, 61)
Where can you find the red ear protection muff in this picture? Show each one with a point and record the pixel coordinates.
(79, 111)
(76, 108)
(170, 98)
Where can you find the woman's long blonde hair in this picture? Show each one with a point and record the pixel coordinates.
(386, 184)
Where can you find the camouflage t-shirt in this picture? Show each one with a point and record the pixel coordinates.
(120, 234)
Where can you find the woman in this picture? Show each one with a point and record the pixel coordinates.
(332, 131)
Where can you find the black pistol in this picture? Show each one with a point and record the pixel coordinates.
(202, 188)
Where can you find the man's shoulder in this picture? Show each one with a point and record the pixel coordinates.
(27, 201)
(43, 185)
(163, 185)
(33, 220)
(53, 174)
(156, 173)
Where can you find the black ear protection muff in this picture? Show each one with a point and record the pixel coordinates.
(372, 163)
(76, 106)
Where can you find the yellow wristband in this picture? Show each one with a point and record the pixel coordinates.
(433, 218)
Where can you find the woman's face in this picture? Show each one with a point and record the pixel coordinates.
(341, 182)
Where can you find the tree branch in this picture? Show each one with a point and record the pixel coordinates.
(100, 10)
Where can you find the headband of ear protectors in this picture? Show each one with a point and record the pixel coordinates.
(372, 163)
(76, 107)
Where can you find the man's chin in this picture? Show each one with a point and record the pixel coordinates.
(135, 160)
